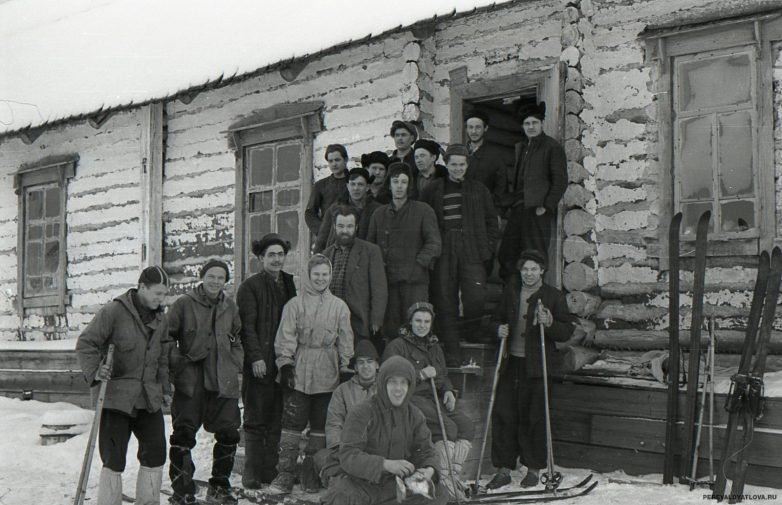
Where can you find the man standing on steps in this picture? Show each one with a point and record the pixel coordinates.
(406, 231)
(261, 299)
(486, 161)
(404, 134)
(326, 191)
(426, 154)
(530, 191)
(519, 417)
(138, 384)
(206, 361)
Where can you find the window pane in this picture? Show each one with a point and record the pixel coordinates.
(738, 215)
(52, 259)
(35, 232)
(34, 286)
(736, 178)
(695, 171)
(52, 230)
(52, 202)
(288, 197)
(35, 204)
(33, 257)
(49, 283)
(691, 213)
(261, 166)
(260, 225)
(288, 226)
(261, 201)
(714, 82)
(288, 163)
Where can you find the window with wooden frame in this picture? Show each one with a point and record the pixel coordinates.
(41, 258)
(716, 129)
(273, 181)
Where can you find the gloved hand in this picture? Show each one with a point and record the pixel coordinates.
(288, 376)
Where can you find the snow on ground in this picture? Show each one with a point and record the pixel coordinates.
(47, 475)
(68, 344)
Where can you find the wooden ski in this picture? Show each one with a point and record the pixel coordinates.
(673, 347)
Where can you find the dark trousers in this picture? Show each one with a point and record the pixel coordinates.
(457, 424)
(518, 422)
(349, 490)
(524, 230)
(262, 401)
(301, 408)
(401, 295)
(455, 274)
(114, 435)
(217, 415)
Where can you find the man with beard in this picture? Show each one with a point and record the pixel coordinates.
(470, 230)
(383, 438)
(406, 231)
(519, 417)
(426, 153)
(261, 299)
(357, 197)
(359, 388)
(404, 134)
(359, 277)
(485, 160)
(206, 361)
(138, 384)
(376, 164)
(529, 191)
(326, 191)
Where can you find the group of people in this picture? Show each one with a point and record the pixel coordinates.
(310, 359)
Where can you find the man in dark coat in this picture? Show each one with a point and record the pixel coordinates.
(426, 153)
(206, 360)
(519, 417)
(404, 134)
(138, 384)
(359, 277)
(417, 344)
(376, 164)
(326, 191)
(406, 231)
(358, 197)
(383, 438)
(261, 299)
(530, 191)
(486, 161)
(470, 230)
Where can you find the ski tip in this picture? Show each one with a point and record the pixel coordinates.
(706, 216)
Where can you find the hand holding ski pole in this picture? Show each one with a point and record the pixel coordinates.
(543, 315)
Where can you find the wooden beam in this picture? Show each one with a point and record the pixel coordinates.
(152, 184)
(30, 135)
(99, 118)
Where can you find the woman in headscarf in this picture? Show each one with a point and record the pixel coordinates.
(314, 344)
(383, 438)
(421, 348)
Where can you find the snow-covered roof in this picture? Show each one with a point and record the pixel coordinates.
(62, 59)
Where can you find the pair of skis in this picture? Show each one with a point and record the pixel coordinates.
(535, 495)
(745, 399)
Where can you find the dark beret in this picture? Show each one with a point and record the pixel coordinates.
(536, 111)
(428, 144)
(478, 114)
(260, 246)
(531, 255)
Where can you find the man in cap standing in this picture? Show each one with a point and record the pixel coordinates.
(530, 191)
(404, 134)
(205, 360)
(426, 153)
(376, 164)
(470, 230)
(327, 190)
(261, 299)
(486, 161)
(138, 384)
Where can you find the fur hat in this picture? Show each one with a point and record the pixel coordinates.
(428, 144)
(419, 307)
(375, 157)
(537, 111)
(456, 150)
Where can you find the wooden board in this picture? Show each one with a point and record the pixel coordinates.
(39, 360)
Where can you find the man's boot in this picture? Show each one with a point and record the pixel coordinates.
(222, 465)
(500, 479)
(110, 487)
(454, 486)
(253, 460)
(286, 466)
(148, 484)
(180, 471)
(309, 479)
(531, 479)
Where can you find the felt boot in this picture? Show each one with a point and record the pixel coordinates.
(253, 460)
(455, 486)
(286, 466)
(110, 487)
(308, 477)
(148, 484)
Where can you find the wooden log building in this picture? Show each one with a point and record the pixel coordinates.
(662, 105)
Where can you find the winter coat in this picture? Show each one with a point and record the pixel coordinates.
(440, 172)
(196, 326)
(421, 352)
(325, 192)
(485, 164)
(538, 178)
(140, 363)
(479, 218)
(409, 239)
(327, 235)
(260, 312)
(375, 430)
(316, 338)
(561, 329)
(345, 397)
(366, 289)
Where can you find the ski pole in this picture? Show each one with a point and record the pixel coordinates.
(445, 440)
(550, 479)
(81, 490)
(699, 428)
(713, 339)
(487, 428)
